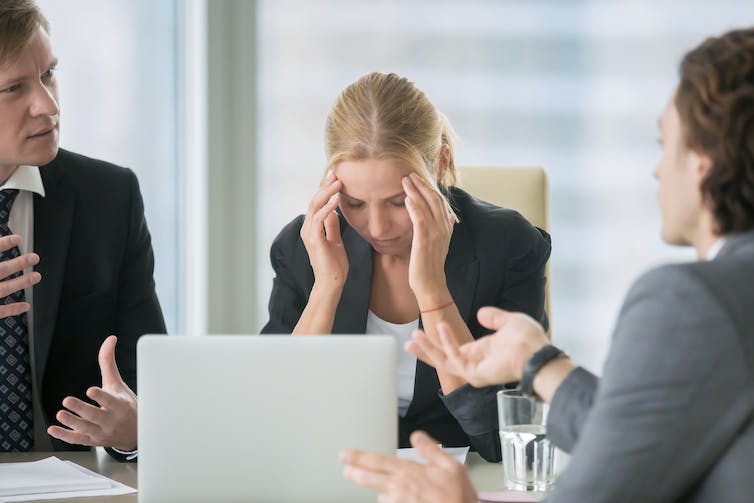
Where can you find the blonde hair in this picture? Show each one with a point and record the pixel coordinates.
(385, 116)
(19, 21)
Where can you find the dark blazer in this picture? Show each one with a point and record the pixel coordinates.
(495, 258)
(672, 418)
(96, 264)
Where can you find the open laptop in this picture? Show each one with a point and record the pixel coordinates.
(249, 418)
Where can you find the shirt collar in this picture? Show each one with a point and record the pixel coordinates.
(25, 178)
(715, 249)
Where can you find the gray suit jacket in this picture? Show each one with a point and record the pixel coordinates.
(673, 416)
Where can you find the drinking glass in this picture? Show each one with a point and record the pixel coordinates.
(528, 456)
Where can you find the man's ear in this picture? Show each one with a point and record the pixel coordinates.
(443, 162)
(701, 164)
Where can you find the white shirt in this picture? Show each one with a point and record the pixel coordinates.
(715, 249)
(406, 361)
(28, 181)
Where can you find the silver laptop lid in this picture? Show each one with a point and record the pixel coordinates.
(229, 418)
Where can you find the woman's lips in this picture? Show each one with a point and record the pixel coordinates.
(385, 242)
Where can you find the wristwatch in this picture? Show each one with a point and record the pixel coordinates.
(535, 363)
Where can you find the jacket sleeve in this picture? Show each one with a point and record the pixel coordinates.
(138, 310)
(675, 349)
(523, 289)
(475, 409)
(288, 298)
(571, 404)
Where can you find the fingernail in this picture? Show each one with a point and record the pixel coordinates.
(16, 240)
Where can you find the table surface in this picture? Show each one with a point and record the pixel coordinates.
(485, 476)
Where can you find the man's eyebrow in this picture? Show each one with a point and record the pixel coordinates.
(8, 82)
(18, 78)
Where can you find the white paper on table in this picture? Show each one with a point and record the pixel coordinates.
(80, 481)
(412, 454)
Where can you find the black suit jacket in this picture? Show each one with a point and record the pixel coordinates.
(96, 264)
(495, 258)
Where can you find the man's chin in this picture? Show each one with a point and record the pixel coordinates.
(42, 158)
(674, 238)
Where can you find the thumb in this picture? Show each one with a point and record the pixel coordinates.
(492, 317)
(429, 450)
(109, 369)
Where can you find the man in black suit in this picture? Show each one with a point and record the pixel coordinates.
(79, 223)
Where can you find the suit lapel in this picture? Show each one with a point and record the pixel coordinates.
(53, 218)
(351, 314)
(462, 264)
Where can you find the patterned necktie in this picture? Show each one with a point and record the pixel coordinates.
(16, 427)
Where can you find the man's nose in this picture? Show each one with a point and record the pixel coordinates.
(44, 101)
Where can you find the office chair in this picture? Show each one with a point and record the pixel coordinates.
(522, 189)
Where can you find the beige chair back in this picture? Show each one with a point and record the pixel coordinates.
(522, 189)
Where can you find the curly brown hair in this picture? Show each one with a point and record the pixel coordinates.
(715, 101)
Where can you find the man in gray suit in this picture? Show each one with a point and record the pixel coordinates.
(672, 418)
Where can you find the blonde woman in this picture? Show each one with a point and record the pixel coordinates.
(389, 245)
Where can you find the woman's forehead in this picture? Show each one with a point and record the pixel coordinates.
(372, 178)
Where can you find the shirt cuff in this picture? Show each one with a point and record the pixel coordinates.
(130, 455)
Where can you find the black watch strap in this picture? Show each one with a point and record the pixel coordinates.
(535, 363)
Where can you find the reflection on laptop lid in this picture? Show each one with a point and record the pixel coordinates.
(244, 418)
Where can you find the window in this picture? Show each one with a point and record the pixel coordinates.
(117, 80)
(575, 86)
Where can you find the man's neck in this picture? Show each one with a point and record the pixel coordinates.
(705, 237)
(6, 172)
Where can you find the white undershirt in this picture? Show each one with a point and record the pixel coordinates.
(406, 361)
(715, 249)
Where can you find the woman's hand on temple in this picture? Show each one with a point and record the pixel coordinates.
(432, 228)
(321, 235)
